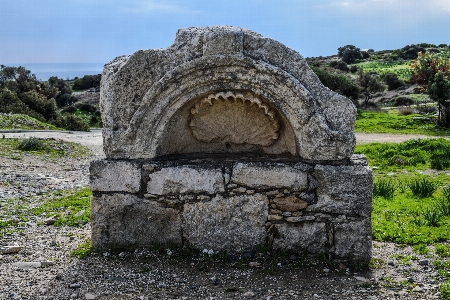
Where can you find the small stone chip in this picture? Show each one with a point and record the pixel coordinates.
(274, 218)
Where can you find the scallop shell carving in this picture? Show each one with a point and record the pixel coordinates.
(234, 118)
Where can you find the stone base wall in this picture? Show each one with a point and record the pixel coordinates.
(223, 204)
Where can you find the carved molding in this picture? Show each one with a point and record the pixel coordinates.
(238, 118)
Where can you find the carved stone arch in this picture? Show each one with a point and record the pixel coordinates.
(166, 99)
(321, 131)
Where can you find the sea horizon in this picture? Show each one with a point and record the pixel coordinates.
(44, 71)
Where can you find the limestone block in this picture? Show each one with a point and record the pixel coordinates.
(124, 220)
(175, 180)
(290, 203)
(269, 176)
(115, 176)
(343, 189)
(235, 223)
(353, 240)
(307, 237)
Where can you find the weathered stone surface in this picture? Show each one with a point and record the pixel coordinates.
(115, 176)
(290, 203)
(353, 240)
(343, 189)
(157, 88)
(306, 237)
(269, 176)
(235, 223)
(185, 179)
(234, 118)
(124, 220)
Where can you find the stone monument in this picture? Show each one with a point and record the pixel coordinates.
(227, 140)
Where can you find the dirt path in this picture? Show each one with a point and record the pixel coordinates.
(366, 138)
(93, 139)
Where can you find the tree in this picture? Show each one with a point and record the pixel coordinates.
(64, 97)
(432, 72)
(426, 66)
(370, 84)
(349, 53)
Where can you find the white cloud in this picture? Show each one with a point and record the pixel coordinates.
(150, 6)
(412, 8)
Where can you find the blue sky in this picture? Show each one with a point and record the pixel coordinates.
(58, 31)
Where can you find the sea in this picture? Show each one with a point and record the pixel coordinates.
(44, 71)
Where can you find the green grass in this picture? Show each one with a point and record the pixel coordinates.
(411, 213)
(392, 122)
(71, 207)
(20, 121)
(50, 148)
(83, 250)
(414, 154)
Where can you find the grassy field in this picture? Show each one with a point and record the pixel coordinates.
(411, 202)
(51, 148)
(20, 121)
(402, 69)
(392, 122)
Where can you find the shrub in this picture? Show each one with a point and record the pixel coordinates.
(31, 144)
(87, 107)
(444, 205)
(410, 51)
(405, 111)
(392, 81)
(70, 122)
(339, 65)
(442, 250)
(384, 188)
(337, 82)
(403, 101)
(426, 108)
(88, 81)
(69, 109)
(349, 53)
(353, 69)
(440, 161)
(422, 187)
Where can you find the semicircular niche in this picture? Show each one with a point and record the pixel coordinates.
(227, 122)
(234, 119)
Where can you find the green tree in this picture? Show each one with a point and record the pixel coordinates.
(64, 97)
(370, 84)
(349, 53)
(432, 72)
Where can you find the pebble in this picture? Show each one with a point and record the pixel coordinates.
(26, 265)
(75, 286)
(89, 296)
(50, 220)
(423, 262)
(10, 249)
(249, 294)
(417, 289)
(254, 264)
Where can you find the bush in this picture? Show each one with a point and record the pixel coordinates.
(422, 188)
(405, 111)
(410, 51)
(86, 107)
(384, 188)
(69, 109)
(339, 65)
(87, 82)
(70, 122)
(392, 81)
(403, 101)
(445, 290)
(31, 144)
(337, 82)
(349, 53)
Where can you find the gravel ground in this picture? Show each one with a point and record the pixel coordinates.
(44, 269)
